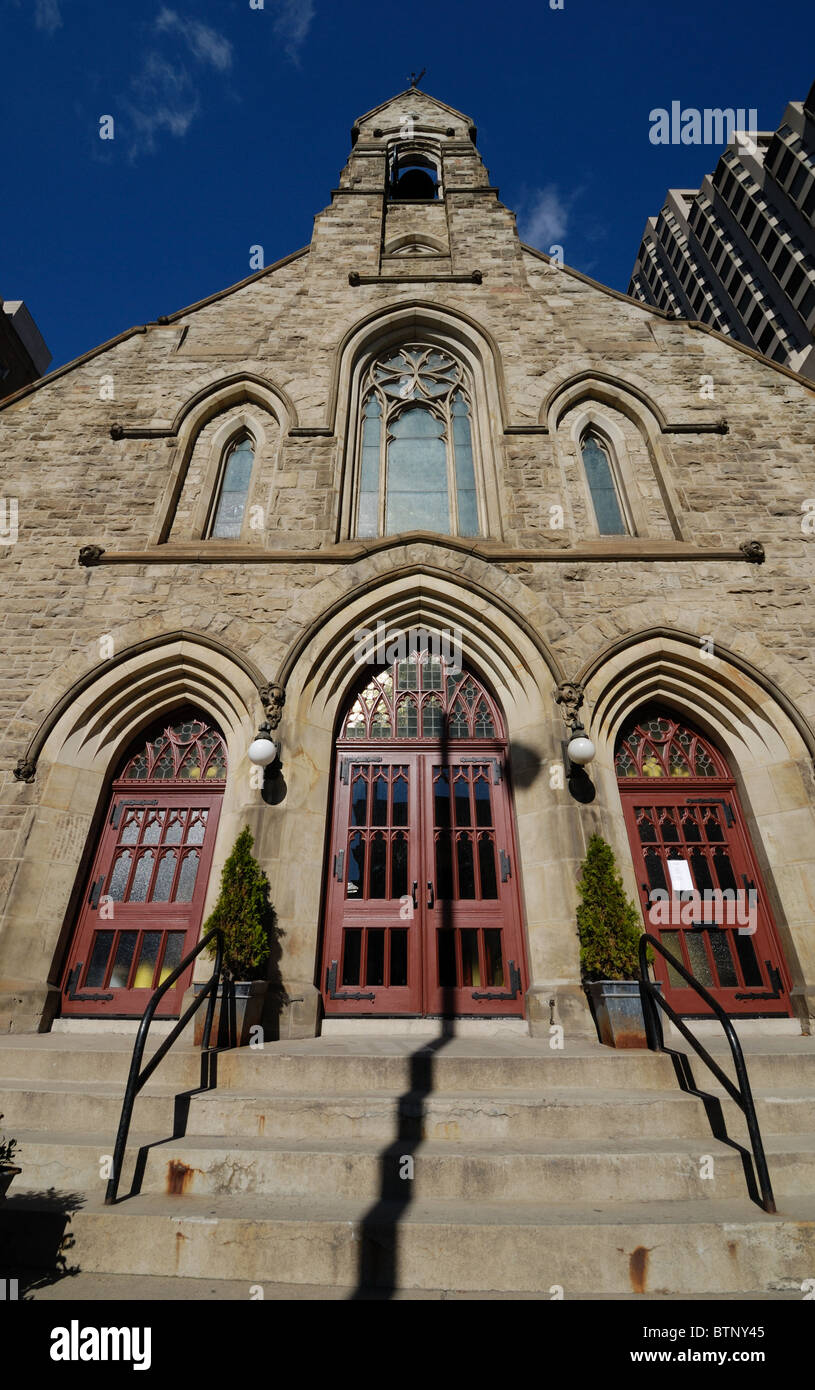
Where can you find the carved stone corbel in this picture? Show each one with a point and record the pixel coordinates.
(272, 698)
(753, 552)
(26, 770)
(90, 554)
(569, 696)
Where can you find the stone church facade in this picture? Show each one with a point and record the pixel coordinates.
(414, 424)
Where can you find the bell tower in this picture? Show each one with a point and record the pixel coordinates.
(415, 200)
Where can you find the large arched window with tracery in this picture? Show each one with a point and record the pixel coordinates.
(422, 699)
(416, 466)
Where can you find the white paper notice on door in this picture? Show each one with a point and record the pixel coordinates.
(679, 870)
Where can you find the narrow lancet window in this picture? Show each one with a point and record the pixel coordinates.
(600, 479)
(234, 490)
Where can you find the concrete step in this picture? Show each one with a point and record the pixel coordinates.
(83, 1105)
(568, 1113)
(41, 1286)
(550, 1171)
(511, 1114)
(394, 1064)
(681, 1247)
(558, 1112)
(47, 1058)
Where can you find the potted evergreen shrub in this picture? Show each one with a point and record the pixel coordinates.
(610, 927)
(246, 918)
(7, 1169)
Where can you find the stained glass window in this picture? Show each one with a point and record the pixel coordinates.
(655, 744)
(234, 490)
(189, 750)
(416, 464)
(601, 486)
(421, 697)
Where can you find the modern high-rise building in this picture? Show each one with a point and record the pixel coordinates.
(739, 252)
(24, 356)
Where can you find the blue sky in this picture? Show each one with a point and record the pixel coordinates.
(232, 124)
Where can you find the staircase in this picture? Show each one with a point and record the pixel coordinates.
(381, 1167)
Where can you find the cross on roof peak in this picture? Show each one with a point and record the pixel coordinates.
(414, 80)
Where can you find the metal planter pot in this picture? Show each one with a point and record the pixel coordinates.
(232, 1023)
(7, 1175)
(617, 1008)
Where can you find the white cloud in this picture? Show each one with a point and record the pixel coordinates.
(205, 45)
(47, 16)
(164, 98)
(543, 217)
(165, 92)
(292, 23)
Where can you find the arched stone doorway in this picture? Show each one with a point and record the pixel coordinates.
(701, 889)
(422, 906)
(142, 906)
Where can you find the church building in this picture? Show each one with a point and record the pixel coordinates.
(426, 503)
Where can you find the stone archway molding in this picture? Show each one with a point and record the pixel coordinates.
(504, 639)
(768, 678)
(760, 718)
(164, 650)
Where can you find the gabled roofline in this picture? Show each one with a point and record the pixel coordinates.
(162, 321)
(663, 314)
(412, 91)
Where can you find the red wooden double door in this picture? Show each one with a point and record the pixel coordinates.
(143, 902)
(422, 905)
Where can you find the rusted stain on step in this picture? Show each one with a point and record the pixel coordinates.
(179, 1177)
(638, 1268)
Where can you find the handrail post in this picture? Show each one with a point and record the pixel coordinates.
(137, 1076)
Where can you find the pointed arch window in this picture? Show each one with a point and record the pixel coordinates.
(416, 466)
(233, 489)
(602, 485)
(421, 698)
(656, 744)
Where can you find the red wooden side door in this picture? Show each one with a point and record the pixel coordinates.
(691, 838)
(422, 906)
(143, 903)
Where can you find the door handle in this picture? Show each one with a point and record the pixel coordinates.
(430, 895)
(413, 893)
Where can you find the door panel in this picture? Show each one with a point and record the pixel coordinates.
(372, 945)
(693, 841)
(143, 904)
(472, 947)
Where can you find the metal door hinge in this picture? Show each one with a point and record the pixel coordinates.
(776, 982)
(116, 814)
(331, 986)
(71, 991)
(514, 980)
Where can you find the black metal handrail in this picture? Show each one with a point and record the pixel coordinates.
(741, 1093)
(137, 1076)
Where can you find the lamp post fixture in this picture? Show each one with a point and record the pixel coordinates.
(580, 748)
(263, 750)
